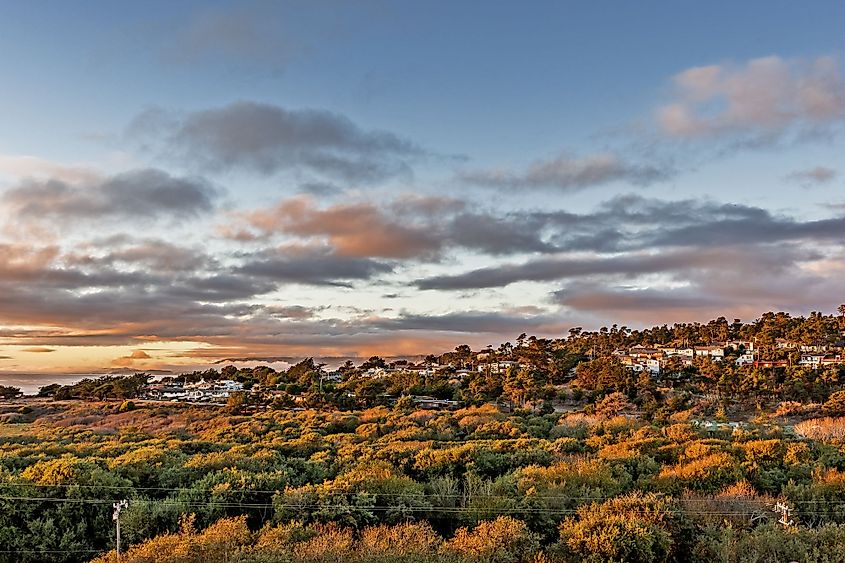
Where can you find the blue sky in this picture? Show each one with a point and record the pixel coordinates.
(335, 178)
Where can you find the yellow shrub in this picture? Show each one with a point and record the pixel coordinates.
(402, 540)
(504, 539)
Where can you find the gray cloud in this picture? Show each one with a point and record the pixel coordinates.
(510, 234)
(266, 139)
(314, 266)
(569, 173)
(767, 229)
(506, 322)
(631, 222)
(291, 311)
(151, 254)
(629, 265)
(143, 193)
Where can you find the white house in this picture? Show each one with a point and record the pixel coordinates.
(812, 360)
(714, 352)
(745, 359)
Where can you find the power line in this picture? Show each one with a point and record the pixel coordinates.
(37, 551)
(421, 509)
(458, 496)
(406, 495)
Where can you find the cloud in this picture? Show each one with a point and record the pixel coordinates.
(266, 139)
(570, 173)
(137, 356)
(312, 266)
(356, 230)
(321, 189)
(151, 254)
(812, 176)
(629, 265)
(25, 166)
(763, 229)
(631, 222)
(290, 311)
(631, 236)
(736, 290)
(758, 101)
(429, 229)
(513, 233)
(420, 228)
(92, 297)
(146, 193)
(630, 257)
(38, 350)
(64, 300)
(505, 322)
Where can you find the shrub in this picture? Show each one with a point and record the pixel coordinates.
(634, 527)
(127, 406)
(408, 541)
(503, 540)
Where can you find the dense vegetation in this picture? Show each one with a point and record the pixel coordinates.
(470, 485)
(566, 457)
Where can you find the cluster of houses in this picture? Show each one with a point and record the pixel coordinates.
(654, 359)
(218, 392)
(455, 375)
(200, 392)
(651, 359)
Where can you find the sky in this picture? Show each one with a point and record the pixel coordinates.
(184, 184)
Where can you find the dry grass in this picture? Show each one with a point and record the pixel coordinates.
(826, 429)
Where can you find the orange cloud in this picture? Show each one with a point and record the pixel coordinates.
(353, 229)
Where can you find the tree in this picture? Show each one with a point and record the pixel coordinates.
(605, 373)
(613, 404)
(520, 385)
(9, 392)
(374, 362)
(236, 403)
(303, 373)
(48, 390)
(404, 404)
(835, 405)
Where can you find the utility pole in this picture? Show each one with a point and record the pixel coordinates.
(785, 512)
(118, 506)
